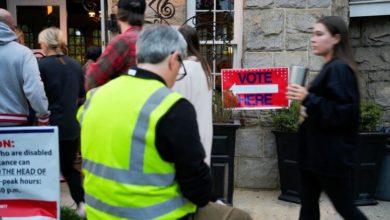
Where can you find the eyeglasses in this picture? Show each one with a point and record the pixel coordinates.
(180, 76)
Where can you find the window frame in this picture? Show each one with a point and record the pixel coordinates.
(12, 4)
(367, 8)
(236, 42)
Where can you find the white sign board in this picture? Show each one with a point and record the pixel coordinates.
(29, 173)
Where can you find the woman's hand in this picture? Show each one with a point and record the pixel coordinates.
(296, 92)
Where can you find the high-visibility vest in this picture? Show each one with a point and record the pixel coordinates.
(125, 177)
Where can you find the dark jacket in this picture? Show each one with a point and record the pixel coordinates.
(63, 79)
(328, 136)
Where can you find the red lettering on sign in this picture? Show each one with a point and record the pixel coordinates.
(257, 88)
(6, 143)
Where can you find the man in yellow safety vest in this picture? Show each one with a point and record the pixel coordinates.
(142, 155)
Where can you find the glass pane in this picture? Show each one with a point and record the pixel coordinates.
(224, 57)
(208, 52)
(217, 82)
(225, 5)
(71, 50)
(25, 28)
(224, 26)
(204, 25)
(37, 18)
(71, 40)
(204, 4)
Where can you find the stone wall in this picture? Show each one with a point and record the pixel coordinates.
(276, 33)
(370, 37)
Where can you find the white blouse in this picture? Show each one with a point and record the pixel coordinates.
(195, 89)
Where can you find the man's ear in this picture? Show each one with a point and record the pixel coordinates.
(172, 59)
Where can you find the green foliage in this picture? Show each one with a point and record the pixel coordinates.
(370, 116)
(69, 214)
(220, 115)
(286, 120)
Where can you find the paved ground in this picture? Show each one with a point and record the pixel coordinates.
(265, 205)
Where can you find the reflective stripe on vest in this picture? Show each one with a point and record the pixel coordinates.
(135, 175)
(149, 212)
(86, 104)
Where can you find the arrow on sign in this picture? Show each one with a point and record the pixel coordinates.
(248, 89)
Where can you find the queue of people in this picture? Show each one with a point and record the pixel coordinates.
(145, 125)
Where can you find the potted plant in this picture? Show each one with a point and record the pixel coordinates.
(285, 123)
(223, 149)
(370, 147)
(370, 152)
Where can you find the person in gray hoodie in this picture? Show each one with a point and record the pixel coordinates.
(20, 79)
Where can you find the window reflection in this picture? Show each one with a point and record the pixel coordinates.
(204, 4)
(225, 4)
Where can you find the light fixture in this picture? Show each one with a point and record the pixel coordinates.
(78, 33)
(49, 10)
(91, 7)
(230, 50)
(91, 14)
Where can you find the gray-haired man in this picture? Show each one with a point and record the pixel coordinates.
(142, 154)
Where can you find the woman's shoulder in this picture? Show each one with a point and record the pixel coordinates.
(339, 69)
(339, 64)
(192, 62)
(193, 65)
(72, 60)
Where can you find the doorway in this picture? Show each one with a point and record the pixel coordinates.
(32, 16)
(79, 20)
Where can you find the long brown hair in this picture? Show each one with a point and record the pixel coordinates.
(193, 49)
(342, 50)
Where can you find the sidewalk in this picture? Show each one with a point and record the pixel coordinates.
(264, 205)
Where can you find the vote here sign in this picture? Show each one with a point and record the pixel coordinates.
(259, 88)
(29, 173)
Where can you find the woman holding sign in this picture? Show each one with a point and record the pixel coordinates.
(328, 134)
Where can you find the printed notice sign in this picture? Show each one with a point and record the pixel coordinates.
(29, 173)
(258, 88)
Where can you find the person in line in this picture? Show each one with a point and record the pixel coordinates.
(196, 87)
(63, 79)
(92, 54)
(328, 135)
(140, 141)
(20, 78)
(119, 55)
(20, 35)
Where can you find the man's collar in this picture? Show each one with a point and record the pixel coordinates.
(133, 28)
(145, 74)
